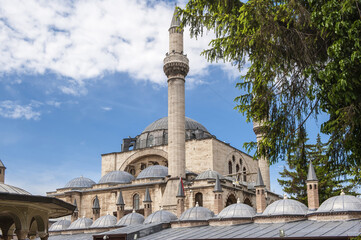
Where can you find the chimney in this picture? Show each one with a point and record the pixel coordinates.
(312, 189)
(218, 199)
(260, 193)
(180, 198)
(147, 203)
(120, 206)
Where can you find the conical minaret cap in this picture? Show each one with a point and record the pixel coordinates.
(96, 203)
(76, 206)
(175, 20)
(180, 189)
(120, 200)
(311, 176)
(147, 196)
(259, 182)
(217, 186)
(2, 164)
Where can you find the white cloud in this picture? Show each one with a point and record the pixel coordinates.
(106, 108)
(82, 40)
(10, 109)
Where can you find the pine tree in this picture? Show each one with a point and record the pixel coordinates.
(298, 158)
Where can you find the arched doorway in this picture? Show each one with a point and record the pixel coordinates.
(199, 199)
(230, 200)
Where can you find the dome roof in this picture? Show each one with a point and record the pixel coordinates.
(160, 216)
(285, 207)
(209, 174)
(196, 213)
(117, 177)
(342, 203)
(104, 221)
(5, 188)
(60, 225)
(80, 182)
(155, 171)
(237, 210)
(131, 219)
(162, 124)
(81, 223)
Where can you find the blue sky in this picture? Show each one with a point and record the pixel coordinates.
(76, 77)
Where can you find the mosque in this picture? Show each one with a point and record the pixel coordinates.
(175, 180)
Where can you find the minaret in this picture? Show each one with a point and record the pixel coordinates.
(176, 67)
(2, 172)
(218, 199)
(312, 188)
(120, 206)
(260, 193)
(147, 203)
(96, 208)
(263, 161)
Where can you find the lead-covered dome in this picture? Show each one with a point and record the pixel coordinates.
(5, 188)
(342, 203)
(209, 174)
(117, 177)
(104, 221)
(155, 171)
(160, 216)
(59, 225)
(162, 124)
(237, 210)
(196, 213)
(285, 207)
(81, 223)
(131, 219)
(80, 182)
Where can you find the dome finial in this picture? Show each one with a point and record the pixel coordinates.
(197, 205)
(285, 196)
(238, 200)
(342, 192)
(133, 210)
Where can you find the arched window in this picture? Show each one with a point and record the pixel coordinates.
(150, 141)
(199, 199)
(230, 200)
(237, 168)
(230, 167)
(142, 166)
(136, 201)
(248, 202)
(240, 161)
(233, 158)
(132, 171)
(244, 174)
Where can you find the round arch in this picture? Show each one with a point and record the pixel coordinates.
(231, 199)
(143, 153)
(248, 202)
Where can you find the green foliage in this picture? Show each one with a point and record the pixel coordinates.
(298, 157)
(305, 58)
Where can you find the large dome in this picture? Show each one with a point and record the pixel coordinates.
(104, 221)
(285, 207)
(209, 174)
(155, 171)
(80, 182)
(59, 225)
(162, 124)
(117, 177)
(342, 203)
(5, 188)
(196, 214)
(160, 216)
(131, 219)
(237, 210)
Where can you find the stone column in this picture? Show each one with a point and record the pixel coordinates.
(43, 235)
(263, 161)
(22, 234)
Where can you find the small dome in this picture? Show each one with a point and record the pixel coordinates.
(237, 210)
(155, 171)
(60, 225)
(80, 182)
(160, 216)
(162, 124)
(285, 207)
(81, 223)
(5, 188)
(131, 219)
(196, 213)
(342, 203)
(104, 221)
(117, 177)
(209, 174)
